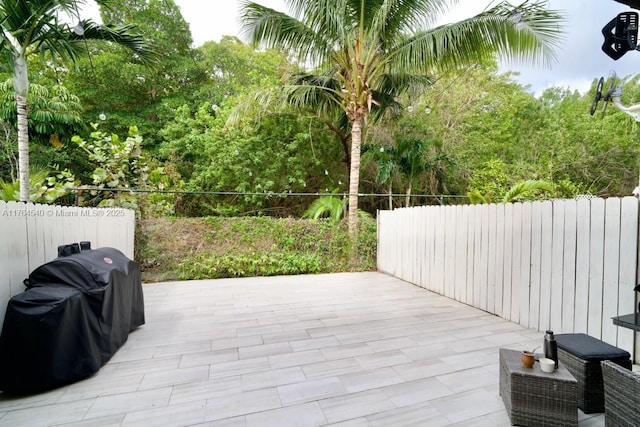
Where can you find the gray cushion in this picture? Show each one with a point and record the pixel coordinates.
(589, 348)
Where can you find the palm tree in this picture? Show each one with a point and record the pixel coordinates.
(28, 27)
(410, 159)
(367, 52)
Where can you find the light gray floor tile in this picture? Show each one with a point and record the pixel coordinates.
(299, 358)
(264, 350)
(383, 359)
(190, 360)
(468, 405)
(108, 421)
(469, 379)
(136, 367)
(423, 369)
(347, 350)
(228, 422)
(357, 422)
(314, 343)
(194, 391)
(237, 342)
(180, 349)
(332, 368)
(60, 413)
(285, 336)
(418, 415)
(175, 415)
(10, 402)
(414, 392)
(135, 401)
(174, 377)
(311, 390)
(304, 415)
(272, 378)
(355, 405)
(389, 344)
(368, 380)
(100, 385)
(238, 367)
(246, 403)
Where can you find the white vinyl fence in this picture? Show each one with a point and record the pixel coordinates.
(565, 265)
(30, 235)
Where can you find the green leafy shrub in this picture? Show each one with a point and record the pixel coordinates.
(215, 247)
(211, 266)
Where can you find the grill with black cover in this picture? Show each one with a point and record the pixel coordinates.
(76, 313)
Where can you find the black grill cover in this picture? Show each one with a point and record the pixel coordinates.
(77, 311)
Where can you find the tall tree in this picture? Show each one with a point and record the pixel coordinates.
(367, 52)
(28, 27)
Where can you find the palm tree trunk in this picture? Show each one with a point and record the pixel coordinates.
(354, 178)
(21, 88)
(23, 149)
(407, 199)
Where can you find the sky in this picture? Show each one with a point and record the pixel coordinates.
(580, 59)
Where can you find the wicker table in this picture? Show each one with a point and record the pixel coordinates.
(536, 398)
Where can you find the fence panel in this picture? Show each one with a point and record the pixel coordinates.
(628, 256)
(525, 264)
(557, 249)
(459, 285)
(596, 267)
(611, 274)
(507, 284)
(566, 265)
(448, 288)
(536, 265)
(583, 226)
(569, 266)
(516, 251)
(546, 265)
(483, 267)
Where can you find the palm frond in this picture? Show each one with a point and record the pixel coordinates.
(397, 83)
(476, 198)
(395, 17)
(124, 35)
(269, 28)
(333, 18)
(524, 187)
(531, 37)
(330, 206)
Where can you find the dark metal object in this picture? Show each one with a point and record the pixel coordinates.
(550, 347)
(631, 3)
(620, 35)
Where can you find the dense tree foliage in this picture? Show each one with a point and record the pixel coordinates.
(37, 27)
(470, 131)
(494, 134)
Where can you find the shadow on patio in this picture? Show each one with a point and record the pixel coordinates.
(356, 349)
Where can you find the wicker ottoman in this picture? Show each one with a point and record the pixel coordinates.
(536, 398)
(581, 354)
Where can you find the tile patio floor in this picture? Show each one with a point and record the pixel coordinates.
(353, 349)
